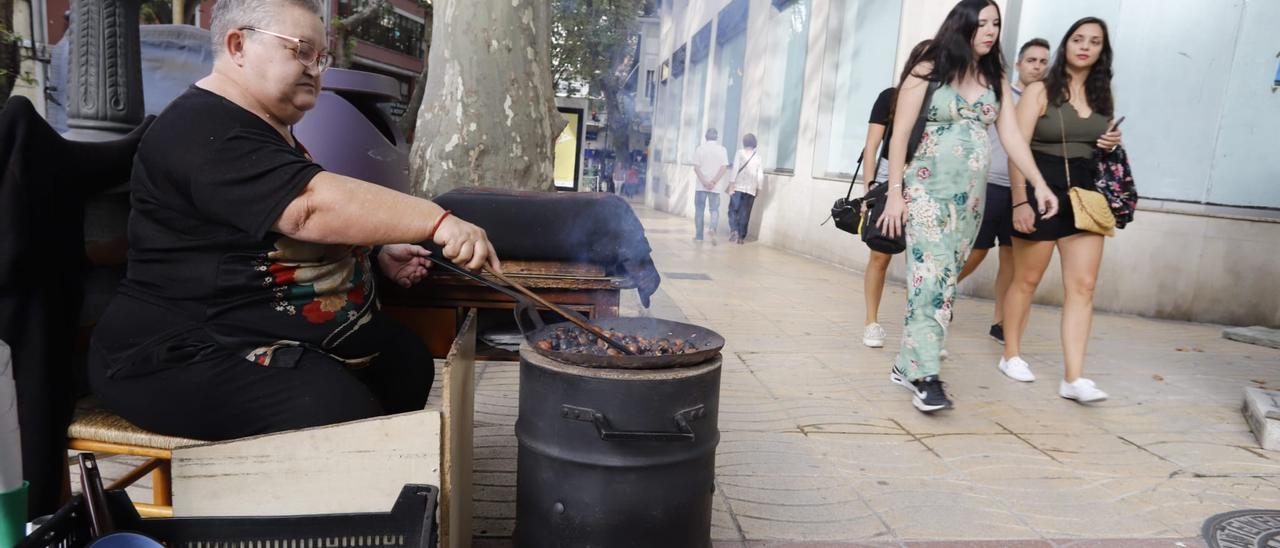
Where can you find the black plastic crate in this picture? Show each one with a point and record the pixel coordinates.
(411, 523)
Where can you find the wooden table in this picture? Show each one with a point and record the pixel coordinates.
(435, 307)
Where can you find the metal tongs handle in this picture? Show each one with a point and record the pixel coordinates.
(524, 306)
(523, 297)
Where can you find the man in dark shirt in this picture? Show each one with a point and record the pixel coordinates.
(251, 304)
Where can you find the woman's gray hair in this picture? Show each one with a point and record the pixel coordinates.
(229, 15)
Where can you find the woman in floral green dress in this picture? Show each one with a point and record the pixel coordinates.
(945, 182)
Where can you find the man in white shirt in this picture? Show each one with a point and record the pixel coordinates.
(710, 163)
(997, 219)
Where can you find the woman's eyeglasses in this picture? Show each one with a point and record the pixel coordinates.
(306, 53)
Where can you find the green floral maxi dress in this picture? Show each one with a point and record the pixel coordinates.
(946, 183)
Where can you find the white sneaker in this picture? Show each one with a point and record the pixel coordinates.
(1082, 390)
(1017, 369)
(944, 355)
(873, 336)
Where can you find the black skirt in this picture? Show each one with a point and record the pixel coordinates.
(1064, 223)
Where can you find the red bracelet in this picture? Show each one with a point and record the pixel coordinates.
(431, 236)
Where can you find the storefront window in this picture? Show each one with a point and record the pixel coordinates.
(695, 94)
(674, 106)
(784, 61)
(727, 77)
(859, 32)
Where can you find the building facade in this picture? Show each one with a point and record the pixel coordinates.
(1203, 124)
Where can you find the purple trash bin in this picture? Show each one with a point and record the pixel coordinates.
(350, 131)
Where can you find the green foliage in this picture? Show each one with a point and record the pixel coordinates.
(590, 39)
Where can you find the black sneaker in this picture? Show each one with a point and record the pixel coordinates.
(896, 376)
(930, 396)
(997, 332)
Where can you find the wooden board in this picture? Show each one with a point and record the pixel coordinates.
(357, 466)
(459, 406)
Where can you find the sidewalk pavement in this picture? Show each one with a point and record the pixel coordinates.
(819, 449)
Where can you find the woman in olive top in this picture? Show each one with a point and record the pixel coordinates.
(1067, 116)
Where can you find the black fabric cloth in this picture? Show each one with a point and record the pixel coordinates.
(594, 228)
(881, 113)
(218, 395)
(45, 182)
(209, 282)
(997, 218)
(1055, 175)
(740, 204)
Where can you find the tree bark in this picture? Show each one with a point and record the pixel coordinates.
(343, 28)
(611, 86)
(619, 123)
(488, 112)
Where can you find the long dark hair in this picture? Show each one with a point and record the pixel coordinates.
(1097, 86)
(952, 49)
(917, 55)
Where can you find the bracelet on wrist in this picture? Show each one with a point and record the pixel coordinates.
(440, 220)
(1024, 203)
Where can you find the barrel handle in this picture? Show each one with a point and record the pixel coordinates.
(607, 433)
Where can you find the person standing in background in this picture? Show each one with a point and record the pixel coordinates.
(997, 217)
(710, 162)
(744, 183)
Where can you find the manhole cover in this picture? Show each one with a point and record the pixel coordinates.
(687, 276)
(1243, 529)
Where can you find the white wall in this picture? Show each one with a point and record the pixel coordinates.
(1194, 81)
(1244, 172)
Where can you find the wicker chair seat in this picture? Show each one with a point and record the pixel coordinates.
(97, 424)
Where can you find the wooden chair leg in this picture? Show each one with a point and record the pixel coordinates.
(162, 484)
(66, 480)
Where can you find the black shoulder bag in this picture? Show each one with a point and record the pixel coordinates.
(877, 197)
(847, 212)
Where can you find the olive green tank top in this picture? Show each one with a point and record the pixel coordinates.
(1082, 133)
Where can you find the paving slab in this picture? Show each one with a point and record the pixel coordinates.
(1259, 335)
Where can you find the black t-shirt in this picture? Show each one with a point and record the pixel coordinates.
(881, 112)
(209, 181)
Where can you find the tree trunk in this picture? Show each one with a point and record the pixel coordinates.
(489, 109)
(619, 123)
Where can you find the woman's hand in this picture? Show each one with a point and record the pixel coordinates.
(894, 217)
(1110, 140)
(1024, 218)
(1046, 201)
(466, 245)
(404, 264)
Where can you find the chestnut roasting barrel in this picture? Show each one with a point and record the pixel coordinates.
(616, 457)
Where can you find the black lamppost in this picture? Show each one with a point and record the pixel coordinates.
(105, 102)
(106, 70)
